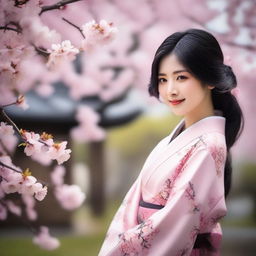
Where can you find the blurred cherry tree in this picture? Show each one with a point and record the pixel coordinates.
(32, 57)
(142, 27)
(40, 41)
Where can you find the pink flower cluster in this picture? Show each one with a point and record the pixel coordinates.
(26, 40)
(8, 139)
(61, 53)
(88, 130)
(70, 197)
(97, 33)
(13, 180)
(44, 240)
(36, 146)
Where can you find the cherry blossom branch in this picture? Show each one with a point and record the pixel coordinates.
(7, 105)
(9, 120)
(75, 26)
(41, 51)
(16, 27)
(57, 5)
(9, 167)
(9, 28)
(20, 2)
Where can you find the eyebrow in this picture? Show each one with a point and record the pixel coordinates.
(174, 72)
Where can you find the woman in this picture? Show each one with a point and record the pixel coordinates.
(175, 205)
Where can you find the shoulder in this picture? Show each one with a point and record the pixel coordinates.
(214, 143)
(210, 145)
(214, 146)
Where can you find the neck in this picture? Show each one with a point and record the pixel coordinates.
(204, 110)
(190, 121)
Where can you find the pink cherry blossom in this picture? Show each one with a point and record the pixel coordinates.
(5, 130)
(57, 175)
(32, 142)
(41, 192)
(29, 202)
(34, 30)
(60, 53)
(28, 185)
(13, 208)
(98, 33)
(45, 241)
(86, 114)
(59, 152)
(7, 137)
(4, 171)
(69, 196)
(88, 130)
(12, 183)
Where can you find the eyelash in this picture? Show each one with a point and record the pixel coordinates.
(179, 78)
(161, 80)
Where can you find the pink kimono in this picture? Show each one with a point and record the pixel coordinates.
(178, 195)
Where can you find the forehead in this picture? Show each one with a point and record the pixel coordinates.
(169, 64)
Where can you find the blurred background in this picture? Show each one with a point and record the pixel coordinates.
(117, 76)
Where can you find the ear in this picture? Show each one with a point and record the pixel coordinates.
(210, 87)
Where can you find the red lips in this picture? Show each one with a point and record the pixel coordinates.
(176, 102)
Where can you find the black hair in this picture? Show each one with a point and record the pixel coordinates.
(201, 54)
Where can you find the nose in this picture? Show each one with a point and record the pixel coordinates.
(171, 89)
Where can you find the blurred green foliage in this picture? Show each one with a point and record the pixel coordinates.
(141, 135)
(248, 177)
(248, 183)
(70, 246)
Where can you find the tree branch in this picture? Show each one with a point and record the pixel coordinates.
(9, 167)
(75, 26)
(41, 51)
(9, 28)
(17, 28)
(57, 5)
(9, 120)
(20, 2)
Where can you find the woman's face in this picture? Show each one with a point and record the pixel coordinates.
(184, 93)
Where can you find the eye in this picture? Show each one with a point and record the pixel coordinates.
(181, 77)
(161, 80)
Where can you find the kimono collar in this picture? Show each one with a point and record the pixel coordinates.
(167, 147)
(206, 125)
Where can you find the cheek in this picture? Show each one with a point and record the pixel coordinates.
(161, 90)
(162, 93)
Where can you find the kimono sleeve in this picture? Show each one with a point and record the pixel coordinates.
(173, 229)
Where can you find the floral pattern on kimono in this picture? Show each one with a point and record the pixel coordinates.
(191, 195)
(134, 243)
(219, 155)
(186, 177)
(164, 194)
